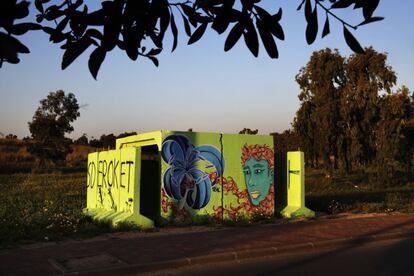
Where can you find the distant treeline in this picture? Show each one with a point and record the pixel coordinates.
(15, 155)
(107, 141)
(350, 118)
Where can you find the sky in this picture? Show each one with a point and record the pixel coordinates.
(197, 86)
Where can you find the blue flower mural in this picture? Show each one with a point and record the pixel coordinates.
(184, 180)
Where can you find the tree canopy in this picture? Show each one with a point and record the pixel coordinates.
(138, 27)
(350, 117)
(51, 121)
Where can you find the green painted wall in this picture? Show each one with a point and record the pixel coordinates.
(113, 183)
(230, 198)
(190, 175)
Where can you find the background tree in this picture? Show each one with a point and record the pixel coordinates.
(394, 140)
(51, 121)
(321, 83)
(95, 143)
(11, 136)
(126, 134)
(286, 141)
(138, 27)
(367, 75)
(305, 128)
(108, 141)
(83, 140)
(343, 120)
(249, 131)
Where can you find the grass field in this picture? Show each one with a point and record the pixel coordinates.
(356, 193)
(44, 207)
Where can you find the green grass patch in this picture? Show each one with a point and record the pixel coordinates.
(44, 207)
(356, 193)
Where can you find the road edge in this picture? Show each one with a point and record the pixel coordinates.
(240, 255)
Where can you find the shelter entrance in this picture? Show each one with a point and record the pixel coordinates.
(150, 182)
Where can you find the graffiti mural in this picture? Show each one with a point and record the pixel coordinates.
(201, 176)
(187, 180)
(257, 163)
(258, 169)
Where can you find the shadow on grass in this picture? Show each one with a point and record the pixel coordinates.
(364, 201)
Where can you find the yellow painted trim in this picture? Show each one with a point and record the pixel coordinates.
(141, 140)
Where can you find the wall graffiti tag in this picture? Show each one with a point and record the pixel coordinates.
(112, 176)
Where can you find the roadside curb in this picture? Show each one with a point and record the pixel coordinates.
(240, 255)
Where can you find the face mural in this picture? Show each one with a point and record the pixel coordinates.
(258, 169)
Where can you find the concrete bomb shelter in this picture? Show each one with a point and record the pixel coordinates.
(162, 176)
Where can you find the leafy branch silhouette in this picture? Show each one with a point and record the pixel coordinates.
(138, 27)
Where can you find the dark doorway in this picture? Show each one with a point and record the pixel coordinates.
(150, 182)
(280, 182)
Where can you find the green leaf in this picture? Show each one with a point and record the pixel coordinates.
(198, 33)
(13, 44)
(189, 11)
(369, 8)
(308, 10)
(341, 4)
(174, 32)
(22, 9)
(277, 31)
(154, 60)
(264, 15)
(154, 51)
(187, 27)
(233, 36)
(94, 33)
(74, 50)
(251, 40)
(95, 61)
(113, 24)
(39, 5)
(371, 19)
(352, 42)
(300, 5)
(165, 17)
(312, 27)
(131, 43)
(220, 24)
(22, 28)
(7, 49)
(267, 40)
(326, 29)
(277, 16)
(271, 22)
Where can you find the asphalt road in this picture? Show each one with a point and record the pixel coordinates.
(391, 257)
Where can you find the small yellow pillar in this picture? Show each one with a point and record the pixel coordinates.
(296, 187)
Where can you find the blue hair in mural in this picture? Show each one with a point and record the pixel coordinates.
(184, 181)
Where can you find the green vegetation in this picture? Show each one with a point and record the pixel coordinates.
(356, 193)
(357, 133)
(352, 119)
(15, 158)
(132, 26)
(51, 121)
(43, 207)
